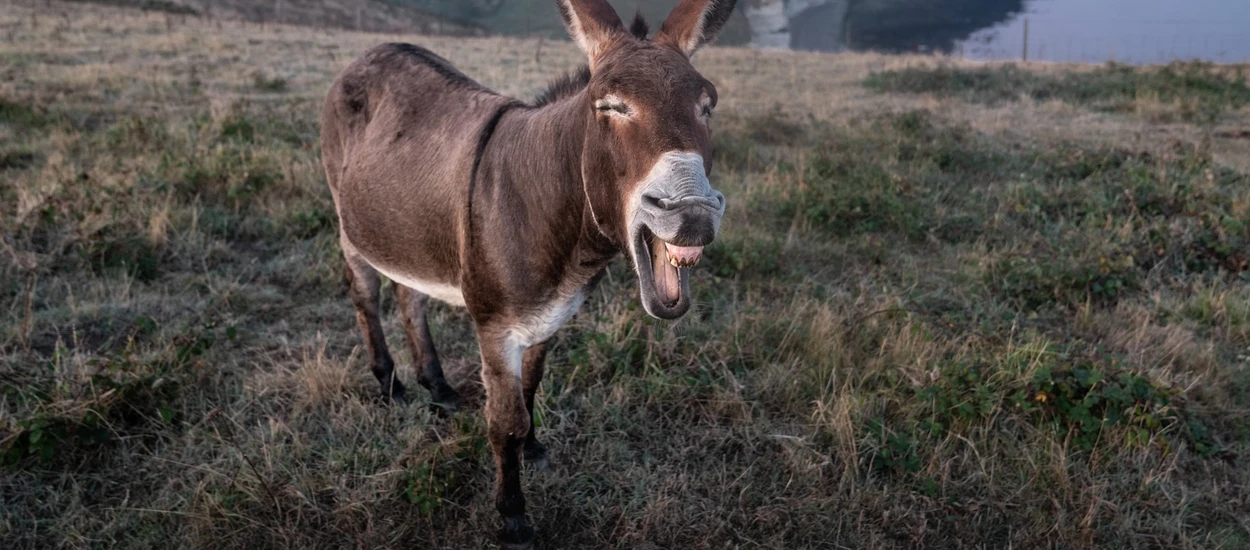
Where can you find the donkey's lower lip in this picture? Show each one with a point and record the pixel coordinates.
(663, 287)
(683, 256)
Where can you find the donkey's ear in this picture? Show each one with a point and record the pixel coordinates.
(694, 23)
(593, 24)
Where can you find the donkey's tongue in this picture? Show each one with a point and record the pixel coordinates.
(667, 279)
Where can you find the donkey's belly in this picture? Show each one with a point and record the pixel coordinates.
(434, 289)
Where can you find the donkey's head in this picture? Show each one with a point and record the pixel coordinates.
(646, 157)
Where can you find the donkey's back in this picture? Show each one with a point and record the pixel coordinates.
(399, 138)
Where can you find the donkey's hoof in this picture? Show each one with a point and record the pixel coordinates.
(517, 539)
(540, 463)
(444, 400)
(395, 395)
(536, 455)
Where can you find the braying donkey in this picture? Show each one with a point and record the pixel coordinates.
(513, 210)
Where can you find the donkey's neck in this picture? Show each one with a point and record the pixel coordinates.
(529, 192)
(541, 147)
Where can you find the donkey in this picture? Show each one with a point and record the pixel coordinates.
(514, 210)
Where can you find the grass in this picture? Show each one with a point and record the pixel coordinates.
(920, 327)
(1201, 91)
(164, 6)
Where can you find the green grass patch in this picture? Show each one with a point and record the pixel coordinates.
(1200, 90)
(22, 116)
(1062, 226)
(269, 84)
(164, 6)
(122, 395)
(18, 160)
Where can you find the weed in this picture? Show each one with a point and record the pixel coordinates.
(22, 116)
(137, 135)
(745, 257)
(269, 84)
(132, 254)
(443, 469)
(18, 160)
(1078, 273)
(310, 223)
(226, 175)
(1082, 398)
(122, 391)
(1086, 400)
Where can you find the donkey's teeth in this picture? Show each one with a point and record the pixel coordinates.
(683, 256)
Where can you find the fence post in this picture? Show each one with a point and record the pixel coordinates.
(1026, 40)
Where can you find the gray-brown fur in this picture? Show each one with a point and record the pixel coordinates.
(514, 210)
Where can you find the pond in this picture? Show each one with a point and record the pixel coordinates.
(1130, 31)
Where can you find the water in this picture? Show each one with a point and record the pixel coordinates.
(1092, 31)
(1128, 31)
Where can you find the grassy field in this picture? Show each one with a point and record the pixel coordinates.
(952, 306)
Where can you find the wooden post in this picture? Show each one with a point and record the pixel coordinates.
(1026, 39)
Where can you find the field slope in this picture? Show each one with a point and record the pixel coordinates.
(952, 306)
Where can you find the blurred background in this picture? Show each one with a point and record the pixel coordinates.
(1132, 31)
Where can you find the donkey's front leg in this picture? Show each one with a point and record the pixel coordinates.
(508, 424)
(532, 363)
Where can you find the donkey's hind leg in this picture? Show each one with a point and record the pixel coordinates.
(363, 285)
(413, 306)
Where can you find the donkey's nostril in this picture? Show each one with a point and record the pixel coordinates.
(716, 202)
(663, 203)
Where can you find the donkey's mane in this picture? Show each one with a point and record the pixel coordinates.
(576, 81)
(564, 86)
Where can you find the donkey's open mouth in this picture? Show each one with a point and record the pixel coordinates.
(675, 204)
(664, 274)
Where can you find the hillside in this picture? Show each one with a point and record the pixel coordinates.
(952, 305)
(361, 15)
(468, 18)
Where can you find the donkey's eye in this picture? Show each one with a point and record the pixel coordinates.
(611, 105)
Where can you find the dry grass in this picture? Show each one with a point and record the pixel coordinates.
(927, 323)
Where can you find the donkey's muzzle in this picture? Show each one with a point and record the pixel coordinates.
(677, 203)
(691, 220)
(676, 214)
